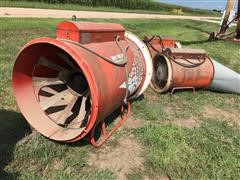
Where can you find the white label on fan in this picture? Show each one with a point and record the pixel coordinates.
(135, 76)
(118, 58)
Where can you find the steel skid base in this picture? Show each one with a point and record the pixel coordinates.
(125, 112)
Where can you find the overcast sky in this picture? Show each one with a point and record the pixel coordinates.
(202, 4)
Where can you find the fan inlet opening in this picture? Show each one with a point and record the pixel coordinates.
(61, 89)
(52, 91)
(160, 76)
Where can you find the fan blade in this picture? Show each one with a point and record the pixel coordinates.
(45, 104)
(67, 60)
(82, 111)
(81, 115)
(55, 111)
(43, 81)
(67, 111)
(45, 62)
(49, 90)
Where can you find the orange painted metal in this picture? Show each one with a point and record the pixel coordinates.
(181, 69)
(106, 135)
(198, 77)
(89, 32)
(87, 55)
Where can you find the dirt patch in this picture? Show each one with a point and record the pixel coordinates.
(162, 177)
(151, 96)
(222, 115)
(120, 159)
(134, 123)
(171, 111)
(57, 164)
(189, 123)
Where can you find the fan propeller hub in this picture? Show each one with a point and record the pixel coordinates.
(77, 83)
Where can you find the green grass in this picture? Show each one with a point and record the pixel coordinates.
(147, 110)
(210, 151)
(163, 8)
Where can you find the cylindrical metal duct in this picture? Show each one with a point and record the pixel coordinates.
(65, 86)
(181, 69)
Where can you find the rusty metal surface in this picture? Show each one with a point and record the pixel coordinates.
(64, 88)
(183, 68)
(238, 22)
(222, 33)
(224, 25)
(185, 53)
(89, 32)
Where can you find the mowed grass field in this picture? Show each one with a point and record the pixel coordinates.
(181, 136)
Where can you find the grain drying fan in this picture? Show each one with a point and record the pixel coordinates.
(177, 68)
(67, 86)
